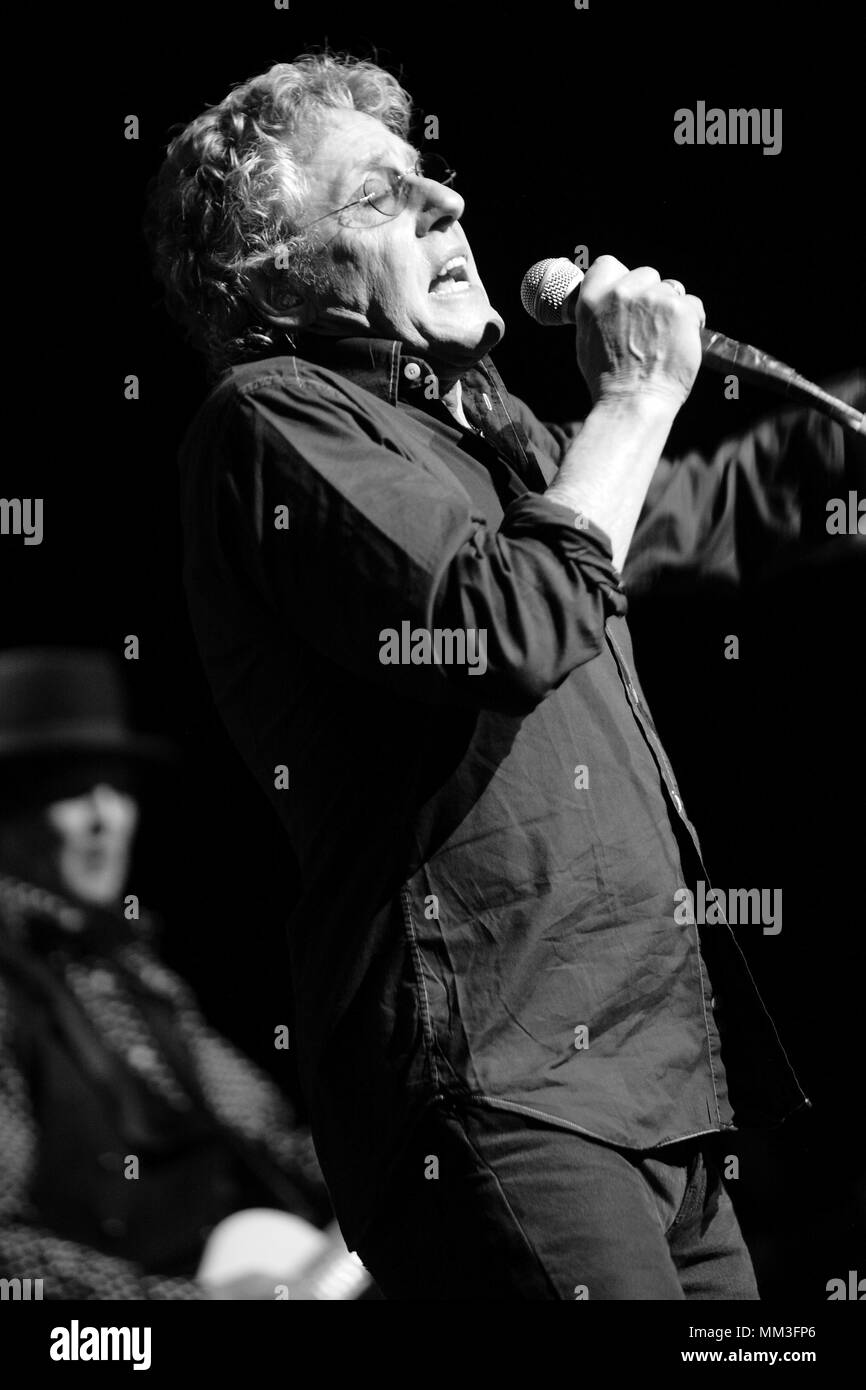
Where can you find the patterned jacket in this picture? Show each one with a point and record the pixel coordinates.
(129, 1127)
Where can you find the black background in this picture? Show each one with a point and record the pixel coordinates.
(560, 125)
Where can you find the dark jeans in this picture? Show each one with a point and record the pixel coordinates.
(522, 1210)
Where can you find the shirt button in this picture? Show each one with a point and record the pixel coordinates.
(411, 371)
(486, 400)
(678, 802)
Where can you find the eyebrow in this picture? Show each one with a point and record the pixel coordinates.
(382, 157)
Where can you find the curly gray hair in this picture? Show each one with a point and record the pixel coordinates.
(228, 198)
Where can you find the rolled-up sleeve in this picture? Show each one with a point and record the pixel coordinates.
(355, 535)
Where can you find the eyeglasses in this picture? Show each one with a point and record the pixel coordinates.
(387, 190)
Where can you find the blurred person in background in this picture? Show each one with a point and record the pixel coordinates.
(130, 1129)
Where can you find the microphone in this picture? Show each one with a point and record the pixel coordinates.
(549, 295)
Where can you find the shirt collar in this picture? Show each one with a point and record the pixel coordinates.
(385, 367)
(42, 919)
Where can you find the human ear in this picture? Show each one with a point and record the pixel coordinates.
(282, 302)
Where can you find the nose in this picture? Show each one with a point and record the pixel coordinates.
(437, 205)
(104, 804)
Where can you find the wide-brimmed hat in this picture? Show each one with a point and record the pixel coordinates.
(67, 702)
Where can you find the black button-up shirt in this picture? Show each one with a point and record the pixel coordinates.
(488, 861)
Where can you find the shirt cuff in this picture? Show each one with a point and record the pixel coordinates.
(576, 538)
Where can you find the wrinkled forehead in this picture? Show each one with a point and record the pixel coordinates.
(347, 145)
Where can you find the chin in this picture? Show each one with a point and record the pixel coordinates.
(95, 890)
(494, 331)
(467, 343)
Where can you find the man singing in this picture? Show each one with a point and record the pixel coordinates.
(410, 598)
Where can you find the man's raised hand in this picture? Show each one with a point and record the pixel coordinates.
(638, 336)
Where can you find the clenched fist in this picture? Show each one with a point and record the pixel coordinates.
(638, 336)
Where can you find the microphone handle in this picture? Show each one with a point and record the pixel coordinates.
(723, 354)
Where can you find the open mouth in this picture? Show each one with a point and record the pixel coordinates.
(452, 278)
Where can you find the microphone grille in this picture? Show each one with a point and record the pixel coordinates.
(546, 286)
